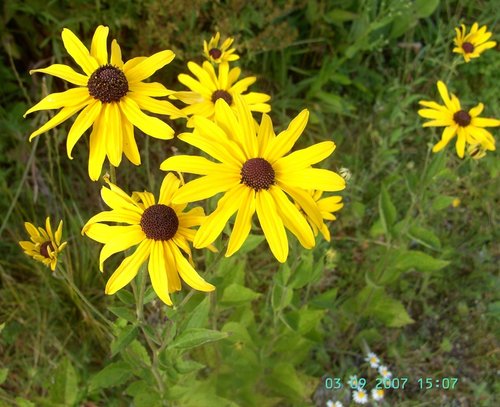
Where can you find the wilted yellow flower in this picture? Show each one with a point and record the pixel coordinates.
(256, 172)
(112, 95)
(467, 125)
(222, 53)
(474, 43)
(161, 230)
(45, 246)
(211, 87)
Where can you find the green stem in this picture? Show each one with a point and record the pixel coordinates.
(112, 173)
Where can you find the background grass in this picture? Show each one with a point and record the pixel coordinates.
(360, 67)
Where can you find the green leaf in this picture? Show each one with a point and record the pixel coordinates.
(126, 297)
(126, 335)
(144, 394)
(285, 381)
(187, 366)
(3, 375)
(149, 295)
(442, 202)
(281, 296)
(194, 337)
(425, 237)
(420, 261)
(339, 16)
(304, 272)
(198, 318)
(65, 387)
(22, 402)
(124, 312)
(136, 354)
(390, 311)
(236, 294)
(387, 210)
(237, 332)
(324, 300)
(112, 375)
(251, 243)
(424, 8)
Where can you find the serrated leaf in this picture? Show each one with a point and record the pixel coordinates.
(387, 210)
(194, 337)
(112, 375)
(65, 387)
(136, 352)
(235, 294)
(425, 237)
(124, 312)
(126, 335)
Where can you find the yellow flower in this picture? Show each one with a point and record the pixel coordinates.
(468, 126)
(473, 44)
(256, 174)
(45, 246)
(159, 229)
(476, 151)
(326, 207)
(111, 94)
(211, 87)
(218, 54)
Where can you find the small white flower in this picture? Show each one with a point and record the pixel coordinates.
(359, 396)
(386, 373)
(377, 394)
(353, 382)
(330, 403)
(372, 359)
(345, 173)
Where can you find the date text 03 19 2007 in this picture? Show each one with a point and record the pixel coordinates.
(395, 383)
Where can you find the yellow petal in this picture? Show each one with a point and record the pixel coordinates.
(99, 232)
(157, 269)
(117, 201)
(194, 217)
(169, 186)
(330, 204)
(214, 224)
(272, 225)
(79, 52)
(128, 268)
(191, 164)
(31, 229)
(195, 86)
(116, 55)
(58, 233)
(129, 145)
(64, 114)
(155, 106)
(305, 201)
(284, 142)
(84, 120)
(174, 281)
(205, 187)
(71, 97)
(248, 126)
(476, 110)
(123, 237)
(154, 89)
(187, 272)
(265, 134)
(433, 105)
(304, 158)
(242, 85)
(97, 148)
(48, 228)
(131, 63)
(293, 220)
(435, 114)
(205, 75)
(99, 46)
(116, 215)
(313, 178)
(152, 126)
(484, 122)
(243, 222)
(114, 142)
(149, 66)
(226, 119)
(64, 72)
(443, 91)
(147, 198)
(460, 146)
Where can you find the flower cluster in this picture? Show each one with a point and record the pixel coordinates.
(466, 125)
(253, 167)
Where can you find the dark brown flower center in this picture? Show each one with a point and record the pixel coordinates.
(222, 94)
(159, 222)
(462, 118)
(215, 53)
(45, 247)
(108, 84)
(257, 173)
(468, 47)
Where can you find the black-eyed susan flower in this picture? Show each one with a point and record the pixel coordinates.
(159, 230)
(219, 53)
(360, 396)
(45, 246)
(257, 174)
(372, 359)
(466, 125)
(326, 207)
(111, 96)
(377, 394)
(474, 43)
(210, 87)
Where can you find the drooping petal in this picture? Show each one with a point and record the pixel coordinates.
(157, 269)
(114, 142)
(174, 281)
(116, 215)
(68, 98)
(460, 146)
(155, 106)
(79, 52)
(129, 236)
(187, 272)
(305, 201)
(116, 200)
(129, 145)
(82, 123)
(272, 225)
(128, 268)
(243, 222)
(64, 72)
